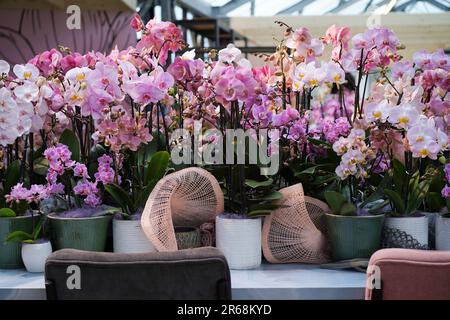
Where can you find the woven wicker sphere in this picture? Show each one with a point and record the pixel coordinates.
(296, 233)
(189, 197)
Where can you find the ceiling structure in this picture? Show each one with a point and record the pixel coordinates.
(222, 8)
(214, 23)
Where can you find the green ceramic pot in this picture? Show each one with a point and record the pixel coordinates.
(80, 233)
(354, 237)
(10, 252)
(187, 237)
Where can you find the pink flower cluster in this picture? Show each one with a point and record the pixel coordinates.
(187, 69)
(306, 47)
(338, 37)
(446, 190)
(316, 74)
(159, 38)
(232, 77)
(375, 48)
(122, 133)
(90, 191)
(125, 96)
(60, 163)
(35, 194)
(356, 154)
(106, 174)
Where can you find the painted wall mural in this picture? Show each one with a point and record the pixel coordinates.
(26, 32)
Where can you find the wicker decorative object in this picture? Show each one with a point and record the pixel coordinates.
(296, 233)
(189, 197)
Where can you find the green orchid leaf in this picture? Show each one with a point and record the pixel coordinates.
(434, 201)
(379, 206)
(399, 176)
(379, 192)
(145, 193)
(37, 230)
(265, 206)
(396, 200)
(96, 152)
(19, 207)
(348, 209)
(417, 196)
(275, 195)
(157, 166)
(121, 198)
(335, 200)
(321, 180)
(18, 236)
(7, 213)
(12, 176)
(70, 139)
(40, 166)
(259, 213)
(258, 184)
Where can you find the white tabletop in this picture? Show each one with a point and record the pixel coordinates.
(270, 281)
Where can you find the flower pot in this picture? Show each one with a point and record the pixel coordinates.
(442, 233)
(240, 241)
(416, 227)
(432, 216)
(187, 237)
(128, 237)
(34, 255)
(80, 233)
(10, 252)
(354, 237)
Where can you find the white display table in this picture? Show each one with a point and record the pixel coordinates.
(270, 281)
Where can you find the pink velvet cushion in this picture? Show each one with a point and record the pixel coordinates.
(412, 274)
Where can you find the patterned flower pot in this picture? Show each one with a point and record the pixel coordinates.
(80, 233)
(354, 237)
(34, 255)
(240, 241)
(10, 252)
(128, 237)
(414, 228)
(187, 237)
(442, 233)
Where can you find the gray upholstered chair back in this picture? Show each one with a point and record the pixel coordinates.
(200, 273)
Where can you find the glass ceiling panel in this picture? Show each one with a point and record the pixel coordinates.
(320, 7)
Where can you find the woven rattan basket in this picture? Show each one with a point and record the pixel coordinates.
(296, 231)
(189, 197)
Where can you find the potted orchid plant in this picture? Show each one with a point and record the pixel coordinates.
(399, 120)
(35, 247)
(77, 217)
(334, 158)
(367, 131)
(20, 118)
(35, 244)
(111, 105)
(353, 232)
(443, 219)
(405, 196)
(135, 130)
(409, 127)
(223, 97)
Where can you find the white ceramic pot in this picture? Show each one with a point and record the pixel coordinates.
(442, 233)
(34, 255)
(128, 237)
(240, 241)
(416, 227)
